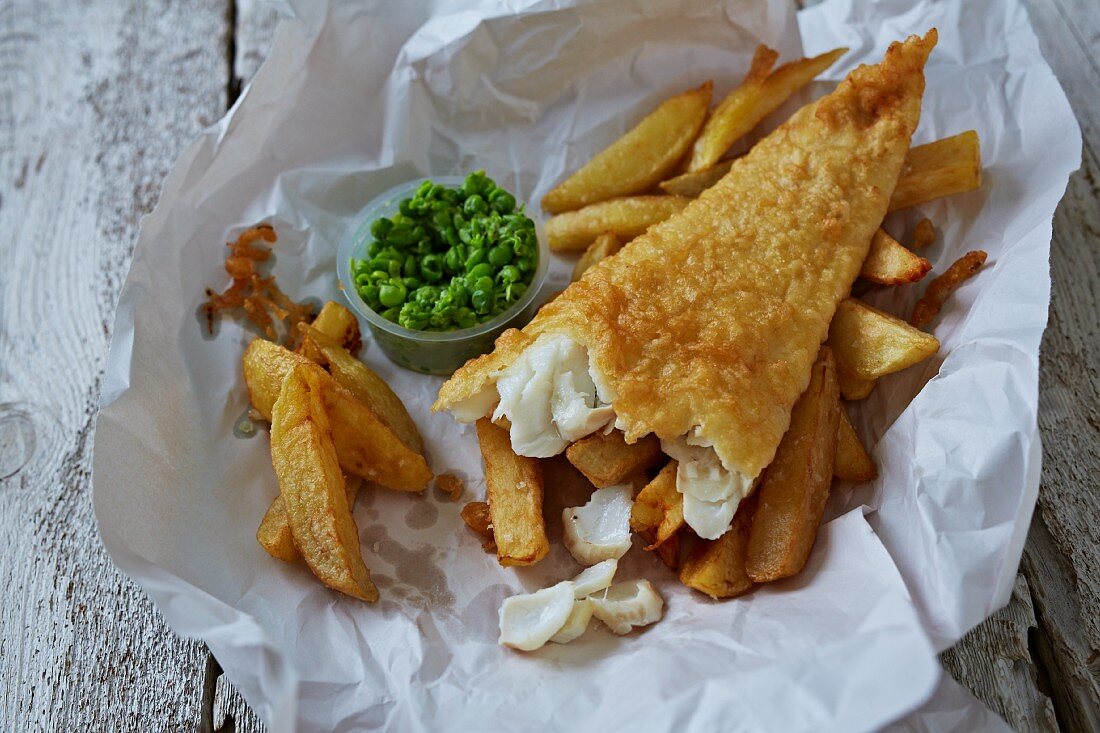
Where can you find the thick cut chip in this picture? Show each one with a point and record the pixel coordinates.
(605, 245)
(792, 494)
(717, 567)
(758, 96)
(608, 460)
(515, 498)
(340, 325)
(693, 183)
(854, 388)
(274, 533)
(941, 168)
(312, 486)
(639, 159)
(626, 217)
(659, 507)
(365, 445)
(369, 388)
(852, 461)
(871, 344)
(889, 263)
(961, 270)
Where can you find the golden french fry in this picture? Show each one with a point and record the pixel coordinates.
(852, 461)
(659, 507)
(365, 445)
(607, 459)
(889, 263)
(515, 498)
(792, 493)
(274, 533)
(871, 344)
(924, 234)
(369, 388)
(639, 159)
(941, 168)
(717, 567)
(627, 217)
(758, 96)
(961, 270)
(312, 485)
(339, 324)
(853, 388)
(605, 245)
(693, 183)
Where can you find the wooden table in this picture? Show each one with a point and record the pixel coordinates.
(96, 101)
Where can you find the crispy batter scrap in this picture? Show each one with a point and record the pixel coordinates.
(450, 485)
(924, 234)
(961, 270)
(477, 517)
(260, 298)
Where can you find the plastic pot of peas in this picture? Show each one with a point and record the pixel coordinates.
(438, 268)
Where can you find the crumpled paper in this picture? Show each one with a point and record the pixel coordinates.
(357, 97)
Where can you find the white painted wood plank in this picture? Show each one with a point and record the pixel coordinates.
(996, 656)
(96, 100)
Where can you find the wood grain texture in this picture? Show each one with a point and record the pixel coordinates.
(96, 100)
(996, 657)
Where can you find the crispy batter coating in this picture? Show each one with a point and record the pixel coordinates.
(714, 317)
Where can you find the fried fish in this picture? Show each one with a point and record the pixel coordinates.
(703, 330)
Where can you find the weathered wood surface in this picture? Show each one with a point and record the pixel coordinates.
(96, 99)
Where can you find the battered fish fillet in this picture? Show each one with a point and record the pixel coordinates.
(708, 324)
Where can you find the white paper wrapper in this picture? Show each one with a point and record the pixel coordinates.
(354, 99)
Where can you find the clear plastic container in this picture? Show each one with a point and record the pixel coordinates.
(429, 352)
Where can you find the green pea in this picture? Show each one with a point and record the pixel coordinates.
(474, 205)
(509, 274)
(392, 293)
(369, 294)
(393, 267)
(450, 236)
(431, 268)
(475, 258)
(426, 295)
(500, 255)
(482, 301)
(410, 267)
(405, 207)
(482, 269)
(454, 260)
(525, 264)
(378, 276)
(381, 228)
(483, 283)
(514, 292)
(465, 318)
(411, 283)
(413, 316)
(459, 294)
(362, 280)
(401, 235)
(502, 201)
(424, 189)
